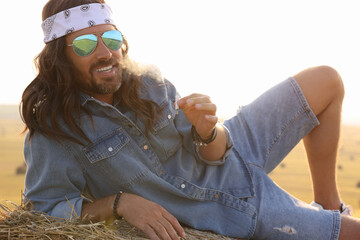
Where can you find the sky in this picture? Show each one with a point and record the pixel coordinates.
(231, 50)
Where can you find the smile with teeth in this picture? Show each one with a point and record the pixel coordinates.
(104, 69)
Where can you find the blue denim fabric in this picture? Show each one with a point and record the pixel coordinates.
(163, 167)
(264, 132)
(231, 196)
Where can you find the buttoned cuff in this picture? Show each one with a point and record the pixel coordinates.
(229, 145)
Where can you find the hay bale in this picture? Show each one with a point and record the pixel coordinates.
(19, 223)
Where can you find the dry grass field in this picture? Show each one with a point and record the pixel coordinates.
(292, 175)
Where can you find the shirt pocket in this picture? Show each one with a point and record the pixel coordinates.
(107, 146)
(113, 155)
(166, 138)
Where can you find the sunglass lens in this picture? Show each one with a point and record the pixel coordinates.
(85, 44)
(113, 39)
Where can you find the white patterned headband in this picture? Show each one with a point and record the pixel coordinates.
(75, 19)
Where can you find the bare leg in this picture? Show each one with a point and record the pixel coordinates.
(324, 91)
(350, 228)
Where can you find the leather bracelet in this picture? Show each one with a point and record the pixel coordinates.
(199, 141)
(116, 215)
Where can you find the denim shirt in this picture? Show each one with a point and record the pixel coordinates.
(163, 166)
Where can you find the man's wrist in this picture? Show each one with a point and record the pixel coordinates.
(199, 141)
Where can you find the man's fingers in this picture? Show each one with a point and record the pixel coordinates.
(197, 100)
(149, 231)
(212, 118)
(193, 99)
(151, 218)
(175, 224)
(169, 229)
(160, 229)
(210, 107)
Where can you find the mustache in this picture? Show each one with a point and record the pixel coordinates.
(102, 63)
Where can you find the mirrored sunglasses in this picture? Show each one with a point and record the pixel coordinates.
(84, 45)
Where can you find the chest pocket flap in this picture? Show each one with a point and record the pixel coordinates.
(107, 146)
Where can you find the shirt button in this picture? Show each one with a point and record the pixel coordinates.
(169, 116)
(110, 149)
(146, 147)
(182, 186)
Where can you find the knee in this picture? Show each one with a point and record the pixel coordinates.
(322, 79)
(332, 81)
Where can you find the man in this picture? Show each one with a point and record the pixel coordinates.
(109, 139)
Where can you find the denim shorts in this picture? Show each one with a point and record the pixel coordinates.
(264, 132)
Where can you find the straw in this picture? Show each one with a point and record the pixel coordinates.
(19, 223)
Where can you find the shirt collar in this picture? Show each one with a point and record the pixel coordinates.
(84, 98)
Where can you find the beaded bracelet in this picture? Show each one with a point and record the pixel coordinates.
(118, 195)
(199, 142)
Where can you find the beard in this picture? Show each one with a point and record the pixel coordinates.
(107, 85)
(102, 89)
(101, 85)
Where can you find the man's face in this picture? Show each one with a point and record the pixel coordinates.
(99, 74)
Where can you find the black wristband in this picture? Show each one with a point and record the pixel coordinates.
(118, 195)
(200, 141)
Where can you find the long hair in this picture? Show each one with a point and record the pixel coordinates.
(53, 96)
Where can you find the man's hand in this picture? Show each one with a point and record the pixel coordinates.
(200, 112)
(149, 217)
